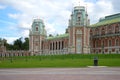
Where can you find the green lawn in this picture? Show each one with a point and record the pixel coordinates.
(76, 60)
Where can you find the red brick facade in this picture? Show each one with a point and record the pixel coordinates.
(105, 39)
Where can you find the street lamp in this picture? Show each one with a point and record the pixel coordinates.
(26, 55)
(11, 57)
(39, 56)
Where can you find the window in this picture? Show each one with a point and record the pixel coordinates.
(36, 44)
(117, 42)
(110, 43)
(96, 31)
(103, 43)
(36, 28)
(91, 33)
(103, 31)
(116, 29)
(78, 18)
(96, 44)
(110, 29)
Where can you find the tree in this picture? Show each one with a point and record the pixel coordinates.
(50, 35)
(26, 44)
(18, 44)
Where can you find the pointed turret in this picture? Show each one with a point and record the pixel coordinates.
(78, 31)
(37, 35)
(79, 17)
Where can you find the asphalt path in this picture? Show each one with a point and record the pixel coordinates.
(91, 73)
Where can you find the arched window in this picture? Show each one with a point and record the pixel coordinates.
(103, 31)
(95, 31)
(78, 18)
(36, 28)
(110, 43)
(110, 29)
(96, 43)
(117, 29)
(36, 44)
(103, 43)
(117, 42)
(91, 33)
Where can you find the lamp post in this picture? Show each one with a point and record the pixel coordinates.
(39, 56)
(26, 55)
(11, 57)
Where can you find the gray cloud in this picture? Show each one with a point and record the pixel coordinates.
(56, 13)
(116, 5)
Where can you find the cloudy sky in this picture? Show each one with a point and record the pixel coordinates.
(16, 16)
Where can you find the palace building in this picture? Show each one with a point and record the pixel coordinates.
(80, 36)
(105, 35)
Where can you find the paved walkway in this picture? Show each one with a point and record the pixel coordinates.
(93, 73)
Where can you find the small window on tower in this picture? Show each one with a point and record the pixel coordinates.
(36, 28)
(78, 18)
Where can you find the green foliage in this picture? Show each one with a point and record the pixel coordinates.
(26, 44)
(69, 60)
(18, 45)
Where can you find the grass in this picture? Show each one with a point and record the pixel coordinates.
(70, 60)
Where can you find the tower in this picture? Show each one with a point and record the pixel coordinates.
(78, 30)
(37, 34)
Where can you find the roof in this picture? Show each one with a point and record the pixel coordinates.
(79, 7)
(58, 37)
(108, 20)
(38, 20)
